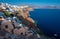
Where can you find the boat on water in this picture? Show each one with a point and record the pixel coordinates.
(48, 21)
(18, 22)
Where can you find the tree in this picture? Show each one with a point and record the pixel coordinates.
(6, 13)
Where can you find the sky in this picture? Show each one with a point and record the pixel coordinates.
(32, 2)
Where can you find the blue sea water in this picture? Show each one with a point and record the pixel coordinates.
(48, 20)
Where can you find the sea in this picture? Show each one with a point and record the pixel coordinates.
(48, 21)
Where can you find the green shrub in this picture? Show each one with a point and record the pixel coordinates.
(11, 15)
(6, 13)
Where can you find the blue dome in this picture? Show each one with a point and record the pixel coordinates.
(2, 14)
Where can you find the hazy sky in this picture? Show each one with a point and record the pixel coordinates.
(32, 2)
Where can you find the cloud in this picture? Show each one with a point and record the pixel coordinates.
(48, 7)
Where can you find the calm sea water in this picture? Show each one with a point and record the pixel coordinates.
(48, 20)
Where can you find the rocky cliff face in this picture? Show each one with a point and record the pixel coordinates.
(18, 24)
